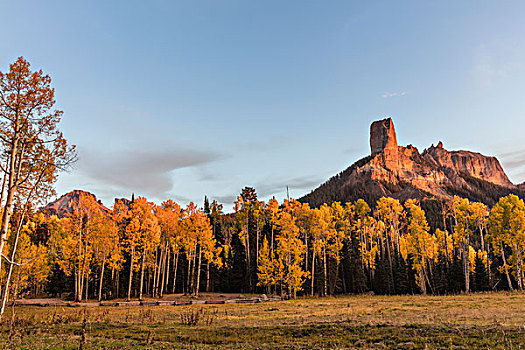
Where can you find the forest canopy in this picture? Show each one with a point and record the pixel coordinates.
(140, 248)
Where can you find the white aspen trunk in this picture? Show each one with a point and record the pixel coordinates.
(257, 241)
(131, 272)
(467, 266)
(192, 281)
(271, 240)
(313, 270)
(5, 294)
(102, 276)
(175, 272)
(3, 183)
(481, 237)
(112, 281)
(207, 276)
(76, 283)
(518, 266)
(166, 275)
(422, 280)
(83, 272)
(198, 272)
(155, 273)
(142, 273)
(325, 289)
(506, 268)
(15, 245)
(118, 284)
(188, 278)
(87, 285)
(79, 284)
(160, 270)
(11, 188)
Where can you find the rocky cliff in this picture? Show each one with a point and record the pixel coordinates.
(403, 172)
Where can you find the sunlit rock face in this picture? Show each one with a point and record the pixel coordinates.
(431, 170)
(475, 164)
(403, 172)
(383, 136)
(69, 202)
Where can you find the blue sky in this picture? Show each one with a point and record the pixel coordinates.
(179, 100)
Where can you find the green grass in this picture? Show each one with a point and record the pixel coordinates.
(478, 321)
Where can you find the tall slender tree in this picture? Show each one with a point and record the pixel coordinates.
(32, 148)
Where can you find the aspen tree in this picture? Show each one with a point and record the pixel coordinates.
(106, 246)
(318, 226)
(507, 229)
(339, 228)
(271, 212)
(390, 211)
(33, 149)
(169, 218)
(142, 233)
(420, 242)
(206, 244)
(290, 250)
(265, 266)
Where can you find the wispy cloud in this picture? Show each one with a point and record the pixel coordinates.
(514, 159)
(393, 94)
(514, 162)
(494, 61)
(142, 171)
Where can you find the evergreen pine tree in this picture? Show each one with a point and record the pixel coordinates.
(455, 276)
(206, 205)
(440, 276)
(357, 273)
(401, 280)
(481, 281)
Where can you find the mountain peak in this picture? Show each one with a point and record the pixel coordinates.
(69, 202)
(382, 136)
(403, 172)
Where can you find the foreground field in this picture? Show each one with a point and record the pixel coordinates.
(476, 321)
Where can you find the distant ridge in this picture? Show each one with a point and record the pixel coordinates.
(403, 172)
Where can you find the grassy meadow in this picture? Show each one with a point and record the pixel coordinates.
(477, 321)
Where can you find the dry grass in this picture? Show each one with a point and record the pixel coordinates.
(476, 321)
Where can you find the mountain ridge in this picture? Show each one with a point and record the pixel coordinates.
(403, 172)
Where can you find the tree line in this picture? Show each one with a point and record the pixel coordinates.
(140, 248)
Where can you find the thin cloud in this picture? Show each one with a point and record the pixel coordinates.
(145, 172)
(494, 61)
(393, 94)
(513, 160)
(514, 163)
